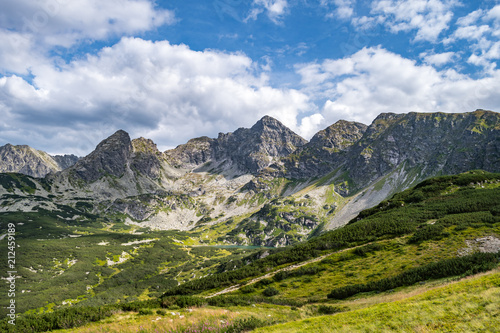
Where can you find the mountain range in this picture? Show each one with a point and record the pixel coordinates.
(36, 163)
(274, 186)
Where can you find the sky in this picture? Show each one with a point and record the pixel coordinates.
(72, 72)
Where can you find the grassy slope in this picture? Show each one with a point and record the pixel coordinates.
(465, 306)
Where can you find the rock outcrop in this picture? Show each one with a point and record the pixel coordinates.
(433, 143)
(111, 157)
(65, 161)
(26, 160)
(326, 151)
(249, 150)
(146, 158)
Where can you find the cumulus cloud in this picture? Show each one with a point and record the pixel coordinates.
(438, 59)
(31, 30)
(167, 92)
(344, 9)
(428, 17)
(65, 22)
(311, 124)
(375, 80)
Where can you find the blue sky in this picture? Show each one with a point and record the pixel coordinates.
(74, 71)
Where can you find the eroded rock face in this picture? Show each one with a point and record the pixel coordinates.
(110, 157)
(26, 160)
(326, 151)
(192, 154)
(432, 142)
(258, 147)
(146, 158)
(65, 161)
(249, 149)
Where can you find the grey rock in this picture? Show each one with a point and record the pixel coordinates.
(326, 151)
(147, 158)
(110, 157)
(65, 161)
(26, 160)
(256, 148)
(250, 150)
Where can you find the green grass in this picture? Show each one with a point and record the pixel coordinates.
(470, 305)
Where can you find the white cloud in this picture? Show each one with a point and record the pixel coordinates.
(470, 18)
(429, 17)
(167, 92)
(438, 59)
(275, 9)
(471, 32)
(17, 54)
(481, 29)
(375, 80)
(65, 22)
(494, 13)
(311, 124)
(344, 9)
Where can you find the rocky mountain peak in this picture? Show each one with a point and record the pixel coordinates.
(259, 146)
(147, 157)
(435, 142)
(268, 123)
(339, 136)
(110, 157)
(26, 160)
(191, 154)
(142, 145)
(327, 148)
(65, 161)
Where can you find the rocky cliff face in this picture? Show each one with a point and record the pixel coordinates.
(65, 161)
(192, 154)
(326, 151)
(256, 148)
(26, 160)
(110, 157)
(433, 143)
(146, 158)
(248, 149)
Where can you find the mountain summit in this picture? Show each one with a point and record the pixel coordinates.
(256, 148)
(109, 158)
(345, 168)
(248, 150)
(36, 163)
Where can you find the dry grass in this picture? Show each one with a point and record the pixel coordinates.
(173, 321)
(469, 305)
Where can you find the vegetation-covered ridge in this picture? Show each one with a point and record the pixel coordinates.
(467, 200)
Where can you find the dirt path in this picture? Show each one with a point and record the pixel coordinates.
(271, 274)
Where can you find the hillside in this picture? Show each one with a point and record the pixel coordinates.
(400, 254)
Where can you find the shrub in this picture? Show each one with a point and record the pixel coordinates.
(472, 264)
(145, 312)
(247, 289)
(328, 309)
(270, 291)
(430, 231)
